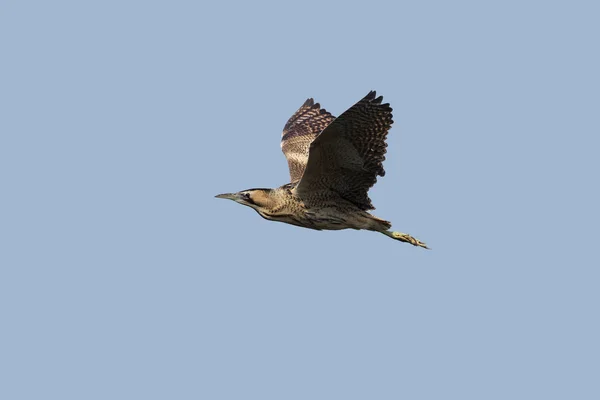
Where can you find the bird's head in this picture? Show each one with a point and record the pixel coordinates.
(255, 198)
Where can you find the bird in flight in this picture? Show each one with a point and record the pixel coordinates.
(333, 163)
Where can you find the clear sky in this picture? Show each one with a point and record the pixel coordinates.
(122, 277)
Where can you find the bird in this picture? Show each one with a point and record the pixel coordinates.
(333, 162)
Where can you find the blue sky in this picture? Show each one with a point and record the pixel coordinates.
(122, 277)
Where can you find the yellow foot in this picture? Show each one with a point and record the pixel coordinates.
(405, 237)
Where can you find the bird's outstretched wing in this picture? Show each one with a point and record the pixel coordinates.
(346, 158)
(299, 132)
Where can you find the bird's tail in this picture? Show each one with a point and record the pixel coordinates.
(378, 224)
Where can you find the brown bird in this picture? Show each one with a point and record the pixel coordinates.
(333, 162)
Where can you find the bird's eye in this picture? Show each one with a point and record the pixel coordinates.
(246, 197)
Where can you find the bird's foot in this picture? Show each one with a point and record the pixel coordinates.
(405, 237)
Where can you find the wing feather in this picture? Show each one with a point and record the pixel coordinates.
(346, 158)
(299, 132)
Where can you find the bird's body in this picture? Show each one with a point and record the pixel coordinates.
(332, 213)
(333, 163)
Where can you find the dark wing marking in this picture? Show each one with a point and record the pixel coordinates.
(346, 158)
(299, 132)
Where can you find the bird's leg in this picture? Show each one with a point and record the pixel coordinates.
(405, 237)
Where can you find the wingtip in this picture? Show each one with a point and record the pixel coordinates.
(309, 102)
(373, 98)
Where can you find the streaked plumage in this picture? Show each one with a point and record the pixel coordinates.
(333, 162)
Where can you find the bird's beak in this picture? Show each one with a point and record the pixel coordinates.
(230, 196)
